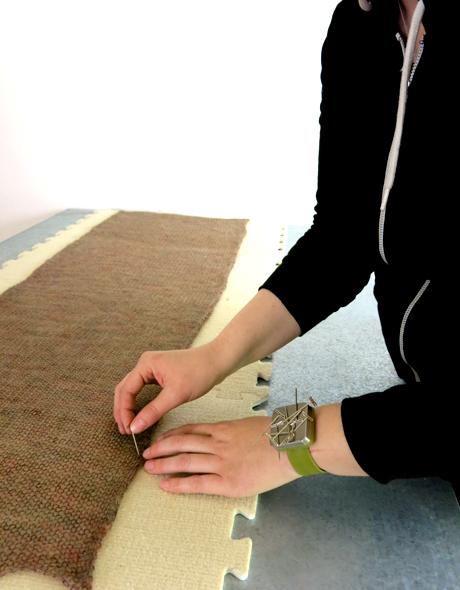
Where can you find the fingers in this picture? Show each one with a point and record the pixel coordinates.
(128, 388)
(179, 443)
(125, 395)
(154, 410)
(188, 453)
(193, 484)
(199, 428)
(184, 463)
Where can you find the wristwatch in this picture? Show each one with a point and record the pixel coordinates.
(293, 429)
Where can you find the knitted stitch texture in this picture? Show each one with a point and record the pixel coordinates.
(68, 334)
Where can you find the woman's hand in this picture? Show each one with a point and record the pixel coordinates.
(231, 458)
(183, 375)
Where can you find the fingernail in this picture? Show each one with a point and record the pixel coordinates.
(146, 453)
(137, 425)
(148, 465)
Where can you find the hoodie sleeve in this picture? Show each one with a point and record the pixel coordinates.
(406, 431)
(332, 262)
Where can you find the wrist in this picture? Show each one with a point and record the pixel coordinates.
(219, 359)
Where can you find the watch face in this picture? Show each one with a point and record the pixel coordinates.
(291, 426)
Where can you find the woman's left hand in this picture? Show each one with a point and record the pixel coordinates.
(231, 458)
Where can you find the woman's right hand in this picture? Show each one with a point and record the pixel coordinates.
(183, 375)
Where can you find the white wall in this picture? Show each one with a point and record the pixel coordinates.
(201, 107)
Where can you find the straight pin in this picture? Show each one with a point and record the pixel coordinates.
(135, 444)
(278, 437)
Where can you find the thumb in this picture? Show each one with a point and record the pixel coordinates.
(154, 410)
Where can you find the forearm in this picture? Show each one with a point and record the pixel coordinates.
(262, 326)
(330, 449)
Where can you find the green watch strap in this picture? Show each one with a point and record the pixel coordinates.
(302, 461)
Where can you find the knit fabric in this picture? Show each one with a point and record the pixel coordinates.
(68, 334)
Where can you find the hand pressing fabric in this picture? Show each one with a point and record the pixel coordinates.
(231, 458)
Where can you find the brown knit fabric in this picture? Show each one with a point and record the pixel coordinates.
(68, 334)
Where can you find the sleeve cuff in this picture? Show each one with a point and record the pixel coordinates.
(397, 433)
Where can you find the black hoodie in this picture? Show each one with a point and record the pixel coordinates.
(409, 430)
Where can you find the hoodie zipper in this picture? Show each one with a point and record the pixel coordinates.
(386, 192)
(407, 74)
(427, 282)
(411, 306)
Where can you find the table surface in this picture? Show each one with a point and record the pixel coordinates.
(332, 532)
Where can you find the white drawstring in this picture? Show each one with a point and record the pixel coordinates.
(392, 162)
(393, 154)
